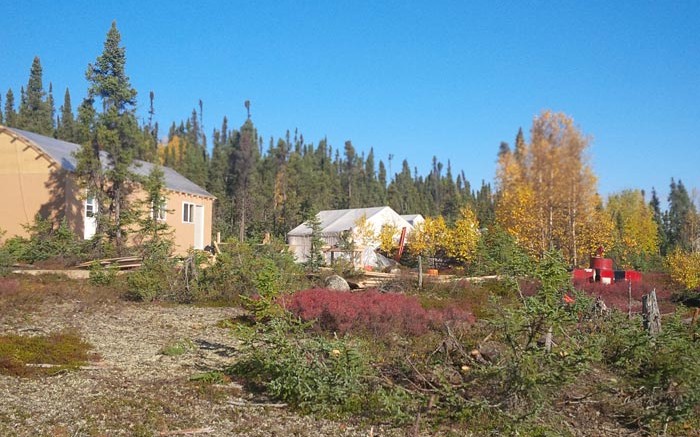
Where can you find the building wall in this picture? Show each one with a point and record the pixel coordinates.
(29, 184)
(184, 237)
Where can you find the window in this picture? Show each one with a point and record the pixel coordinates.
(159, 213)
(187, 212)
(90, 204)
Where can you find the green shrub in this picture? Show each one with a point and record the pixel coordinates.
(155, 279)
(6, 258)
(661, 373)
(258, 274)
(312, 373)
(47, 240)
(102, 275)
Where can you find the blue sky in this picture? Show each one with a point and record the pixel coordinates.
(412, 79)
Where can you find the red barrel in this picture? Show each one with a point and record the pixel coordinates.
(598, 262)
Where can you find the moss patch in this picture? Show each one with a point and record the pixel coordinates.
(61, 351)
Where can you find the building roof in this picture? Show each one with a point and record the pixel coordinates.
(338, 220)
(62, 152)
(410, 217)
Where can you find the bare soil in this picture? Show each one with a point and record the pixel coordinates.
(131, 387)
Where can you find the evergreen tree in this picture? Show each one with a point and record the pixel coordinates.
(680, 218)
(52, 108)
(10, 114)
(65, 130)
(315, 260)
(243, 160)
(85, 122)
(154, 232)
(655, 206)
(116, 132)
(35, 112)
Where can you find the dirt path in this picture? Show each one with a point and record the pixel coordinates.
(135, 389)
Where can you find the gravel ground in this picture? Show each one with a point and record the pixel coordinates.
(132, 388)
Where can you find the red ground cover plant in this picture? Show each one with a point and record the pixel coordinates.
(369, 312)
(615, 295)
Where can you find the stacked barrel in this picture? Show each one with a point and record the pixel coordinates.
(603, 268)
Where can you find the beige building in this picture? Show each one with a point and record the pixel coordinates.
(36, 177)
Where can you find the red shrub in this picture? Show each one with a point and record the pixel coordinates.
(615, 295)
(369, 311)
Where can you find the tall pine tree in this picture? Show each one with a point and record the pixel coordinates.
(35, 111)
(65, 129)
(116, 133)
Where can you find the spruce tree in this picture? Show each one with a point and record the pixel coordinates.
(242, 164)
(680, 215)
(116, 133)
(655, 206)
(10, 114)
(315, 260)
(35, 109)
(65, 130)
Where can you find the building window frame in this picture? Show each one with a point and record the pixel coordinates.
(161, 213)
(188, 212)
(90, 206)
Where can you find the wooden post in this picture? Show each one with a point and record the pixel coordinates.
(548, 340)
(650, 313)
(629, 299)
(420, 272)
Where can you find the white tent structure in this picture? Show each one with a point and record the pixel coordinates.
(334, 223)
(413, 219)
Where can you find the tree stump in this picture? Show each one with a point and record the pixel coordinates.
(651, 314)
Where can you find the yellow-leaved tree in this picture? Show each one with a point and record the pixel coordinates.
(363, 233)
(684, 268)
(547, 191)
(635, 231)
(463, 236)
(429, 238)
(388, 234)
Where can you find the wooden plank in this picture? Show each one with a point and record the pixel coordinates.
(108, 261)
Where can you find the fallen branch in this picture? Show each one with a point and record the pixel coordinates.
(50, 366)
(190, 431)
(256, 404)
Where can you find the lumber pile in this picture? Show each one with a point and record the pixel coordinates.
(121, 263)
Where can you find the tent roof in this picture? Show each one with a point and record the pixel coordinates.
(410, 217)
(62, 152)
(338, 220)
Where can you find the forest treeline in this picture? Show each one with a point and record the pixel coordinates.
(545, 194)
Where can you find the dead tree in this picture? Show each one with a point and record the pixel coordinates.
(651, 314)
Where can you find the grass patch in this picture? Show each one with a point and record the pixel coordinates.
(62, 351)
(177, 348)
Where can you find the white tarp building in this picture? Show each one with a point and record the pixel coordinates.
(413, 219)
(335, 223)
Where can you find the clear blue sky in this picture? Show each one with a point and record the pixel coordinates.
(412, 79)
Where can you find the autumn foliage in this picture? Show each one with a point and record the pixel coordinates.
(434, 238)
(684, 268)
(547, 191)
(369, 312)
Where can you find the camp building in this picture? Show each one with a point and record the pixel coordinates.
(36, 177)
